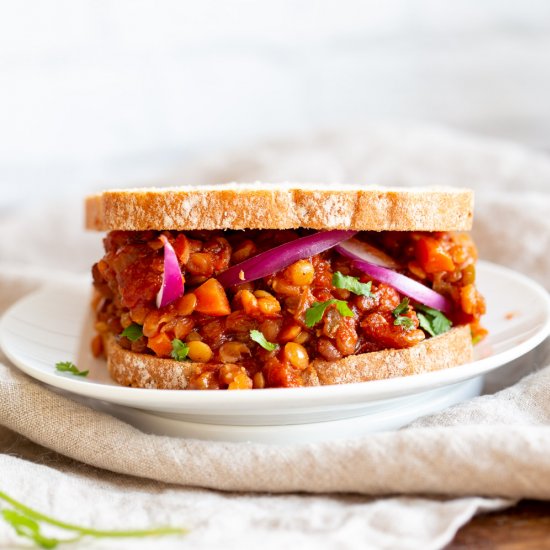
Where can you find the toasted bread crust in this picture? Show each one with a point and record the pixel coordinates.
(139, 370)
(281, 206)
(441, 352)
(446, 350)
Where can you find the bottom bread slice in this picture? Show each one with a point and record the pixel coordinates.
(450, 349)
(441, 352)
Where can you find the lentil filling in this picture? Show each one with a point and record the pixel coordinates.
(255, 335)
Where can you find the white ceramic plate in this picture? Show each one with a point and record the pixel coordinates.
(53, 325)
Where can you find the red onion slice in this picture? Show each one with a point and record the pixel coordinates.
(407, 286)
(172, 281)
(278, 258)
(359, 250)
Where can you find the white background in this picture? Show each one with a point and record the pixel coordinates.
(95, 93)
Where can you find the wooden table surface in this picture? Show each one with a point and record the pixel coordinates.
(523, 527)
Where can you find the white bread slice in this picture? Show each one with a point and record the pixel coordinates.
(281, 206)
(446, 350)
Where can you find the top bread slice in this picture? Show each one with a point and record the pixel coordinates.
(281, 206)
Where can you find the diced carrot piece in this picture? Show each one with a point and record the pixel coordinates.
(160, 344)
(432, 256)
(211, 299)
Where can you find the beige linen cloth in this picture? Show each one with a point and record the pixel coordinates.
(411, 488)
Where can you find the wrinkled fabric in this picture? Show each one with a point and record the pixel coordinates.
(411, 488)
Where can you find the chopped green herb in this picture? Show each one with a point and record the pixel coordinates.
(258, 337)
(315, 313)
(179, 350)
(133, 332)
(25, 521)
(352, 284)
(425, 324)
(67, 366)
(402, 320)
(432, 320)
(401, 308)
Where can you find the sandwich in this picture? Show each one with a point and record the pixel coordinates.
(250, 286)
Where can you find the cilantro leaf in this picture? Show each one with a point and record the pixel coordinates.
(441, 324)
(179, 350)
(406, 322)
(68, 366)
(259, 338)
(343, 308)
(352, 284)
(401, 308)
(402, 320)
(133, 332)
(315, 313)
(425, 324)
(432, 320)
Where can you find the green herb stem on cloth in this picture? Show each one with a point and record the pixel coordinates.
(25, 521)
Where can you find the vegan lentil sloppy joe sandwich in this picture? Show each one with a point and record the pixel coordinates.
(242, 286)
